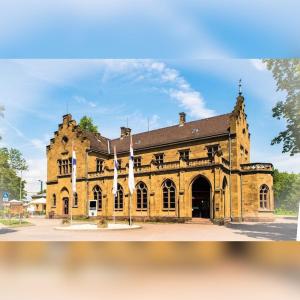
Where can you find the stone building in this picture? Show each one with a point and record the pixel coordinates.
(198, 169)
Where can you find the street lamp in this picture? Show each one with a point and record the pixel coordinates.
(41, 181)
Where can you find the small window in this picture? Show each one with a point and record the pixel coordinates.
(137, 162)
(65, 140)
(246, 154)
(99, 165)
(119, 164)
(159, 158)
(211, 150)
(53, 200)
(75, 203)
(184, 155)
(59, 166)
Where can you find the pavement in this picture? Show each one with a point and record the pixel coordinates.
(282, 229)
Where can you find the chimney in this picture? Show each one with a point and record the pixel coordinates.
(125, 131)
(182, 117)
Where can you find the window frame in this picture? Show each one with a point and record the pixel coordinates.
(99, 198)
(118, 198)
(264, 197)
(143, 192)
(167, 190)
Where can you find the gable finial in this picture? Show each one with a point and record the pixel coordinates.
(240, 87)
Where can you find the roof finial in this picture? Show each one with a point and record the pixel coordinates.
(240, 87)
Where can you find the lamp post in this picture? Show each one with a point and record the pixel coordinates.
(41, 181)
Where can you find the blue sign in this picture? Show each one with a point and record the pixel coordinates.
(5, 196)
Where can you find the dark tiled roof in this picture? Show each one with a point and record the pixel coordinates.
(174, 134)
(97, 141)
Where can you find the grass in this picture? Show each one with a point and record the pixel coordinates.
(14, 222)
(284, 212)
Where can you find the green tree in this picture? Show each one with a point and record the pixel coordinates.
(286, 190)
(286, 72)
(11, 162)
(87, 124)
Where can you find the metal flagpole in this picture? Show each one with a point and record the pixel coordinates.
(72, 183)
(114, 216)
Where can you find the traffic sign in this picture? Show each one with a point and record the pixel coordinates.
(5, 196)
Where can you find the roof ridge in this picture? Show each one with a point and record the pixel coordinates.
(222, 115)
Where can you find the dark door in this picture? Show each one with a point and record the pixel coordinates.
(66, 206)
(201, 198)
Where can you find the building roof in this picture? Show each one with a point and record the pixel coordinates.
(204, 128)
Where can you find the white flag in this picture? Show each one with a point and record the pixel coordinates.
(298, 228)
(73, 172)
(116, 166)
(131, 184)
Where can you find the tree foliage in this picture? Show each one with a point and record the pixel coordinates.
(11, 162)
(286, 72)
(286, 190)
(87, 124)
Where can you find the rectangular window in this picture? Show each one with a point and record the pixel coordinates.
(184, 155)
(211, 150)
(99, 165)
(137, 162)
(159, 159)
(59, 167)
(120, 164)
(246, 154)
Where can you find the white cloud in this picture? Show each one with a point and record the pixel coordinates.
(258, 64)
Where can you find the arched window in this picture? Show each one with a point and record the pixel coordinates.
(169, 195)
(119, 198)
(141, 196)
(75, 200)
(98, 196)
(264, 196)
(53, 200)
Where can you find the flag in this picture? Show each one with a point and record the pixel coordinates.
(116, 166)
(131, 184)
(298, 227)
(73, 172)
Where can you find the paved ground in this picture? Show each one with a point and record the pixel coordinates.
(283, 228)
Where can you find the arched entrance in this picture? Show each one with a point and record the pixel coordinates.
(64, 194)
(201, 198)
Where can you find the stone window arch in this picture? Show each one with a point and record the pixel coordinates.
(264, 197)
(98, 196)
(141, 196)
(169, 195)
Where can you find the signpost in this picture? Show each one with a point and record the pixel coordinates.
(5, 196)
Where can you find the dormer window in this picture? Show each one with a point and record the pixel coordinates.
(137, 162)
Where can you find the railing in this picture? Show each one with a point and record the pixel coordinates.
(199, 162)
(257, 167)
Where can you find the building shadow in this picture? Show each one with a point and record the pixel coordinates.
(272, 231)
(6, 230)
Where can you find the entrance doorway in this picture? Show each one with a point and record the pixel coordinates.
(66, 206)
(201, 198)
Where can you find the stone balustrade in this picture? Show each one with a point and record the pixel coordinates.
(257, 167)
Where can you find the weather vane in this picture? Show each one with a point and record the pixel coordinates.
(240, 87)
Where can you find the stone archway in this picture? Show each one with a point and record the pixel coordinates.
(201, 198)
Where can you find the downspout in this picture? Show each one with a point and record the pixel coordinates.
(241, 197)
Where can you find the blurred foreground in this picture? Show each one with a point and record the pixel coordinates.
(150, 270)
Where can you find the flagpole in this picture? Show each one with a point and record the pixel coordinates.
(72, 198)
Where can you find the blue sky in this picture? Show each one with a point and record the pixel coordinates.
(164, 57)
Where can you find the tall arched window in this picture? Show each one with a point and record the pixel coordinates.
(141, 196)
(119, 198)
(98, 196)
(264, 196)
(53, 200)
(169, 195)
(75, 200)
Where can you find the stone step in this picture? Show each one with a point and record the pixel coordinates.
(200, 221)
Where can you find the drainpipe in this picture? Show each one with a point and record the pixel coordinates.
(241, 197)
